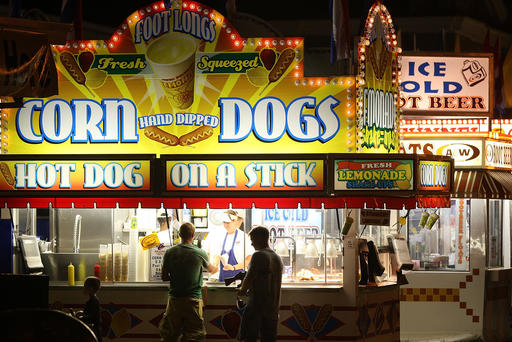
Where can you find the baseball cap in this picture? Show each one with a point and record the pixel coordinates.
(230, 215)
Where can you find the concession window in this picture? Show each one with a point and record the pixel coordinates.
(482, 184)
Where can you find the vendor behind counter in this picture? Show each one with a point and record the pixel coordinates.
(229, 248)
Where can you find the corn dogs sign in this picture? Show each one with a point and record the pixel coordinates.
(377, 110)
(181, 80)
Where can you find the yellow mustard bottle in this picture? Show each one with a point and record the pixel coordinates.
(71, 274)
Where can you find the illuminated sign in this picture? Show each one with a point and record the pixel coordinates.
(373, 175)
(461, 206)
(465, 152)
(378, 85)
(444, 126)
(75, 175)
(182, 80)
(374, 217)
(503, 126)
(244, 175)
(434, 175)
(446, 84)
(498, 154)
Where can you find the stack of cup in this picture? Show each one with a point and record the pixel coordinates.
(124, 262)
(110, 260)
(117, 262)
(132, 253)
(103, 262)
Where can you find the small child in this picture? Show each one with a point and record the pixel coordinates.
(92, 310)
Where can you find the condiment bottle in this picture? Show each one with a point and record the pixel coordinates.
(71, 274)
(97, 271)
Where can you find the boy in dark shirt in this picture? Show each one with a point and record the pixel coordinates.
(92, 310)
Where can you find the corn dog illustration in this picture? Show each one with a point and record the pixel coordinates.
(68, 61)
(284, 61)
(197, 135)
(301, 316)
(322, 317)
(6, 173)
(155, 133)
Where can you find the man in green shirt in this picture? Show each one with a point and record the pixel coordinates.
(183, 267)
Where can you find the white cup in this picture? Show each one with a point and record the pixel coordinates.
(172, 57)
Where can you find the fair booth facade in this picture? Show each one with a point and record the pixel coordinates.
(178, 118)
(462, 266)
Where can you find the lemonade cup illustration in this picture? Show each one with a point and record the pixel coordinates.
(423, 219)
(172, 57)
(432, 219)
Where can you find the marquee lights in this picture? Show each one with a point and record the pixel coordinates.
(377, 12)
(474, 128)
(124, 29)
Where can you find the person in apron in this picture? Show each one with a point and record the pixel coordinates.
(232, 246)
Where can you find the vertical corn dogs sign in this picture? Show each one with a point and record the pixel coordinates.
(181, 80)
(378, 84)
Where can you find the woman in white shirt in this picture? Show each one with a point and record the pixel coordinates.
(231, 250)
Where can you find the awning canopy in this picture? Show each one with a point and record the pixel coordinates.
(482, 184)
(220, 203)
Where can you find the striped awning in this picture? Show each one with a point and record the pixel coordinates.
(482, 184)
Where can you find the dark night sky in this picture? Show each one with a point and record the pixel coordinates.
(96, 11)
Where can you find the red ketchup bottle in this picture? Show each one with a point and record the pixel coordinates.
(97, 271)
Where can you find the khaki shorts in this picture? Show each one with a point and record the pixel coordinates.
(183, 317)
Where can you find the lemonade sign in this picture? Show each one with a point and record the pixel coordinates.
(373, 175)
(180, 79)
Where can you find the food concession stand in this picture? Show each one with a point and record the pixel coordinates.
(178, 117)
(461, 282)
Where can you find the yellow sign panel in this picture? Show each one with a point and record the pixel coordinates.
(374, 175)
(244, 175)
(181, 80)
(74, 175)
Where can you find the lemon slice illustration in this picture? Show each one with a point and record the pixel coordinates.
(404, 184)
(258, 76)
(95, 78)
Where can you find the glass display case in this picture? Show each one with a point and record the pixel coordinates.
(495, 237)
(439, 238)
(308, 241)
(115, 241)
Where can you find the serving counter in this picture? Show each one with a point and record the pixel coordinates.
(314, 303)
(132, 311)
